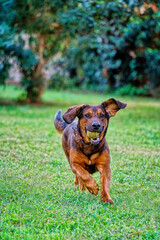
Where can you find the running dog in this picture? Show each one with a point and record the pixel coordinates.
(84, 143)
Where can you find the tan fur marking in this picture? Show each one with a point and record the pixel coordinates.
(94, 156)
(99, 112)
(89, 111)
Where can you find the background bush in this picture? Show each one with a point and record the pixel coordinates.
(102, 45)
(120, 46)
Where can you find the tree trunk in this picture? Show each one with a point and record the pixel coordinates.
(34, 92)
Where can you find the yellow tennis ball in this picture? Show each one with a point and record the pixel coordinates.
(92, 134)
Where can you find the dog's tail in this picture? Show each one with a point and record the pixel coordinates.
(59, 123)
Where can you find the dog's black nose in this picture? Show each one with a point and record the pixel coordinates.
(96, 125)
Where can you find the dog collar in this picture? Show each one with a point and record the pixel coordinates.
(84, 141)
(76, 132)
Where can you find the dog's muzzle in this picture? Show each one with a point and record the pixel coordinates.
(94, 137)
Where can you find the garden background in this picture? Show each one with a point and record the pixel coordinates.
(58, 53)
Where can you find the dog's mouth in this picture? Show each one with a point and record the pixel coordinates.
(94, 137)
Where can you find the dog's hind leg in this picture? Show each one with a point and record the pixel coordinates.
(80, 182)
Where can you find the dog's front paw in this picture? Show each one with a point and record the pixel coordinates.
(106, 199)
(93, 189)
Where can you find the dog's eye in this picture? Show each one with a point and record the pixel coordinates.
(101, 115)
(87, 115)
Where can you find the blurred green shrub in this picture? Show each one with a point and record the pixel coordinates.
(115, 44)
(58, 81)
(131, 91)
(102, 44)
(7, 34)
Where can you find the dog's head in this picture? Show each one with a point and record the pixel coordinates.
(93, 120)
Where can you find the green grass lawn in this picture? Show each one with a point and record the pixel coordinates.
(38, 199)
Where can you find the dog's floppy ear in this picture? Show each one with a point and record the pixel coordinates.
(112, 106)
(72, 112)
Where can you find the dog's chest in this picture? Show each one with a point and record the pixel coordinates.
(89, 150)
(91, 155)
(92, 158)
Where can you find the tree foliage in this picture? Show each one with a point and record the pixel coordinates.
(120, 46)
(103, 44)
(7, 34)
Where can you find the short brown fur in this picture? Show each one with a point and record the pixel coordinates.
(86, 155)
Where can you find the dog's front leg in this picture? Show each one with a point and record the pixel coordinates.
(105, 175)
(84, 179)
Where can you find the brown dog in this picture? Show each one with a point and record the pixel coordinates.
(85, 145)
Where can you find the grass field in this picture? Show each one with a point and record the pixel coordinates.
(38, 199)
